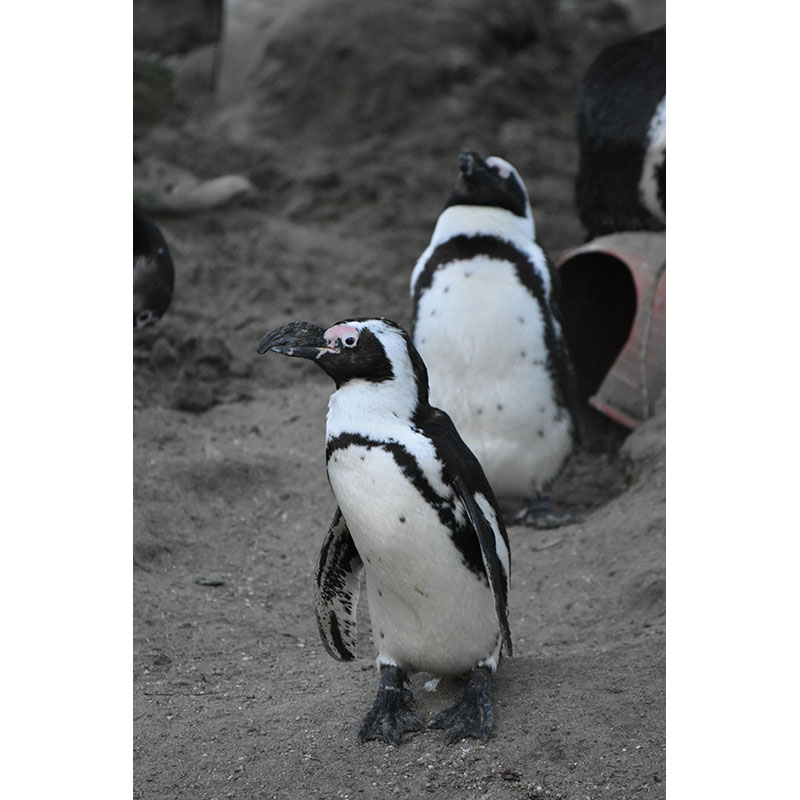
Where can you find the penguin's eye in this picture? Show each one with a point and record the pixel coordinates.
(144, 318)
(350, 341)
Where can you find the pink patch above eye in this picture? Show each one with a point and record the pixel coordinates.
(499, 165)
(342, 332)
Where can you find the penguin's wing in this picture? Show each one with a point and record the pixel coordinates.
(567, 384)
(336, 590)
(487, 540)
(470, 483)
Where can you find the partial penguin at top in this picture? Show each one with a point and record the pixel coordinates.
(153, 271)
(622, 134)
(486, 322)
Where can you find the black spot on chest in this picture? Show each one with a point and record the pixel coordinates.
(461, 534)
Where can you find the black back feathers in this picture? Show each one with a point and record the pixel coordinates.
(619, 96)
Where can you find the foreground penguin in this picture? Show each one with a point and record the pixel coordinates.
(153, 271)
(486, 323)
(622, 132)
(416, 515)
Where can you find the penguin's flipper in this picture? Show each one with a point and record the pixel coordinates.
(336, 590)
(469, 482)
(567, 384)
(486, 539)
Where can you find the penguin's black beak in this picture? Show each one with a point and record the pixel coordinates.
(470, 163)
(299, 339)
(466, 161)
(474, 172)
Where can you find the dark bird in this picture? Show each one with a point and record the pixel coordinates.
(622, 133)
(153, 271)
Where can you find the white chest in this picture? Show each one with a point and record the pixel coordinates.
(428, 611)
(482, 337)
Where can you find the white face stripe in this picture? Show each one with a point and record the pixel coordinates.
(653, 159)
(657, 132)
(504, 169)
(396, 349)
(369, 408)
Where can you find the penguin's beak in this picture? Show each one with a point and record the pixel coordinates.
(299, 339)
(470, 163)
(466, 161)
(472, 166)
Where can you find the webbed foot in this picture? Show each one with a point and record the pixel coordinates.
(474, 715)
(540, 514)
(391, 715)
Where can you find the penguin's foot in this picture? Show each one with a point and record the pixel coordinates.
(391, 715)
(540, 514)
(474, 715)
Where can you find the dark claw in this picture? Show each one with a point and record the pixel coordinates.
(474, 715)
(391, 715)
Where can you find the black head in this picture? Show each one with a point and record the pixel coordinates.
(375, 350)
(489, 182)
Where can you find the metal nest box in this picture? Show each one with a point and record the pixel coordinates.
(613, 308)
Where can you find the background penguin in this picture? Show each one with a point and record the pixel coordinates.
(153, 271)
(417, 516)
(622, 133)
(486, 323)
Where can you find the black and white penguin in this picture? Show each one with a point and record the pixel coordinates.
(486, 323)
(622, 133)
(153, 271)
(417, 516)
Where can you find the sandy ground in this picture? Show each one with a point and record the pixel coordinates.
(349, 127)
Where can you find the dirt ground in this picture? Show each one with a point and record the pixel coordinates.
(347, 120)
